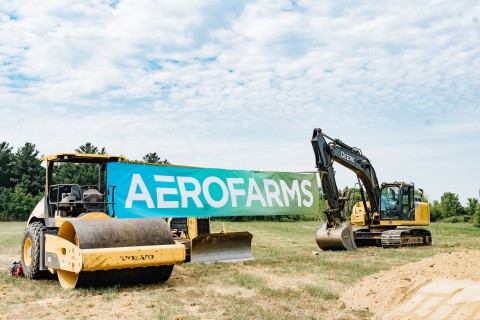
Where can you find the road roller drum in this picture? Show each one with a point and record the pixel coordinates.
(111, 251)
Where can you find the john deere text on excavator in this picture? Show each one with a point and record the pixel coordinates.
(382, 209)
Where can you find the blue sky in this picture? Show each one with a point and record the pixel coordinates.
(242, 84)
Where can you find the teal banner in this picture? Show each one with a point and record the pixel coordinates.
(145, 191)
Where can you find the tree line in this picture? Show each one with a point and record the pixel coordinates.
(22, 177)
(449, 209)
(22, 183)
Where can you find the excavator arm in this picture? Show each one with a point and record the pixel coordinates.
(336, 232)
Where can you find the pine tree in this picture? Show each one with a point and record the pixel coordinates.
(153, 157)
(6, 165)
(82, 174)
(27, 172)
(89, 148)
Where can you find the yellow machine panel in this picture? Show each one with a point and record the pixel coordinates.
(359, 216)
(98, 247)
(422, 217)
(66, 256)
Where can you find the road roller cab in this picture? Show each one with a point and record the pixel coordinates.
(73, 233)
(69, 200)
(74, 200)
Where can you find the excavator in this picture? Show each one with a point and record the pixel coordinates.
(382, 211)
(73, 232)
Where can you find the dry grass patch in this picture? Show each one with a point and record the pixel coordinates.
(287, 281)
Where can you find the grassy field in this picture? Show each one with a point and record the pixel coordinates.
(290, 279)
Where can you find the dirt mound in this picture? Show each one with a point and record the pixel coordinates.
(444, 286)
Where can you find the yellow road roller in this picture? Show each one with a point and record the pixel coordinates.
(73, 233)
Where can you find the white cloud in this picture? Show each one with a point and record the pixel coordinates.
(244, 83)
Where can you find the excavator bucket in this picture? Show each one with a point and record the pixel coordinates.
(222, 247)
(338, 238)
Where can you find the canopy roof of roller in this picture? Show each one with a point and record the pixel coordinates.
(83, 158)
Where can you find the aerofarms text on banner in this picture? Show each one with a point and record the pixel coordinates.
(144, 190)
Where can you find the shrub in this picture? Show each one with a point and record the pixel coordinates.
(16, 203)
(457, 219)
(476, 217)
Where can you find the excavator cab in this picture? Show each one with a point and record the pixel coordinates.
(397, 206)
(397, 202)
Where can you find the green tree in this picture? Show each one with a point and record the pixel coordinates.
(83, 174)
(450, 205)
(476, 217)
(435, 211)
(16, 203)
(89, 148)
(153, 157)
(354, 197)
(5, 200)
(28, 173)
(471, 206)
(420, 194)
(6, 165)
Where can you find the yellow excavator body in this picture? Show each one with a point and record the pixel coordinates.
(359, 215)
(421, 217)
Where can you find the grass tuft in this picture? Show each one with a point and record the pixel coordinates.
(247, 280)
(320, 292)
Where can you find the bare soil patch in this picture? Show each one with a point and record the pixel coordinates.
(444, 286)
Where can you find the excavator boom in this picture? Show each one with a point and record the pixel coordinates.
(336, 233)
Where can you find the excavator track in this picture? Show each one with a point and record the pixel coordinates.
(397, 238)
